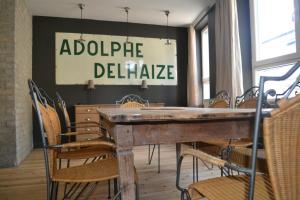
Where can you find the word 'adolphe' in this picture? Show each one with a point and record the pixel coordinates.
(100, 48)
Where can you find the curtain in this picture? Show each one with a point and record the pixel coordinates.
(229, 75)
(193, 73)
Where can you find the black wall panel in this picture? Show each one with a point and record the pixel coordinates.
(44, 29)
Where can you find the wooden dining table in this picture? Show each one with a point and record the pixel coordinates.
(168, 125)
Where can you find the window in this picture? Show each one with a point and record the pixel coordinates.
(205, 62)
(280, 87)
(275, 30)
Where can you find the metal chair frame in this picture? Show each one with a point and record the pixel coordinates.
(132, 98)
(52, 187)
(261, 101)
(249, 94)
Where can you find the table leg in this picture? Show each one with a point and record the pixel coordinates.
(178, 151)
(124, 141)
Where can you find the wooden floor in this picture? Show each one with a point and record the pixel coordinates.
(27, 181)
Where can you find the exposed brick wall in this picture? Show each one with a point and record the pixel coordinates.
(15, 69)
(23, 71)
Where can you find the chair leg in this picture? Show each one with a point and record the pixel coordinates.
(109, 197)
(56, 190)
(66, 184)
(158, 161)
(91, 191)
(115, 186)
(51, 191)
(178, 151)
(151, 156)
(149, 153)
(81, 191)
(194, 163)
(137, 191)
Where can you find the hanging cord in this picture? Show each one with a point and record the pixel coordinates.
(126, 9)
(168, 42)
(81, 6)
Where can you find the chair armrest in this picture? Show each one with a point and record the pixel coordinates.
(84, 144)
(88, 143)
(80, 133)
(200, 155)
(204, 157)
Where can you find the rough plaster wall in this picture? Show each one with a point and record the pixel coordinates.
(23, 71)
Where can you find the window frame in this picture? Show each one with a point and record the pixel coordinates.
(279, 60)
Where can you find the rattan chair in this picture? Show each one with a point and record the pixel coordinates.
(281, 132)
(222, 100)
(220, 147)
(135, 101)
(281, 136)
(101, 153)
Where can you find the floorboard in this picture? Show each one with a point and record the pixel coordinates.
(27, 181)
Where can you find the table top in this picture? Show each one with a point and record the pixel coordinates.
(169, 114)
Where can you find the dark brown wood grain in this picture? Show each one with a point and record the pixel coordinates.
(118, 115)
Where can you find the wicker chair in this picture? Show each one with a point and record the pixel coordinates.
(100, 152)
(135, 101)
(247, 100)
(222, 100)
(281, 138)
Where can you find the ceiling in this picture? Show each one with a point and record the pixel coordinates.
(182, 12)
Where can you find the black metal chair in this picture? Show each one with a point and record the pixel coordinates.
(226, 187)
(248, 99)
(135, 101)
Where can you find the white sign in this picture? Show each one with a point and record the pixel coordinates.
(109, 60)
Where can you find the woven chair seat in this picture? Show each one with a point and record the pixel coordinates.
(84, 153)
(231, 188)
(243, 142)
(92, 172)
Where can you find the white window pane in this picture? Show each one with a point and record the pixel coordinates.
(279, 86)
(275, 28)
(205, 62)
(206, 91)
(205, 53)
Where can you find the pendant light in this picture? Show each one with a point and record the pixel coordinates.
(126, 9)
(168, 42)
(81, 7)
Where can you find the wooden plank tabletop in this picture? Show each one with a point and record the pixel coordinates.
(119, 115)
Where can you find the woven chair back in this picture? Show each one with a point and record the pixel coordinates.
(222, 100)
(248, 99)
(219, 104)
(51, 124)
(132, 104)
(250, 103)
(132, 98)
(282, 143)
